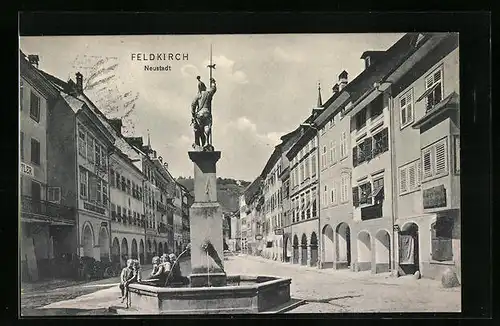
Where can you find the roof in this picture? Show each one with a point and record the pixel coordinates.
(449, 103)
(74, 103)
(252, 190)
(371, 54)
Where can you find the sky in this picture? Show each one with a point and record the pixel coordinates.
(267, 84)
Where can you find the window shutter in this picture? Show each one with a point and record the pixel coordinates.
(355, 156)
(419, 173)
(368, 200)
(384, 134)
(412, 182)
(93, 188)
(355, 196)
(441, 166)
(429, 82)
(427, 162)
(402, 180)
(368, 148)
(409, 108)
(437, 76)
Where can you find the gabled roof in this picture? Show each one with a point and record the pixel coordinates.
(252, 191)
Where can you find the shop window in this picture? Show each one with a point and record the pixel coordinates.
(442, 235)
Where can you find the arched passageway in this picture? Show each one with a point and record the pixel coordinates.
(115, 251)
(88, 241)
(314, 249)
(328, 248)
(134, 249)
(141, 252)
(288, 249)
(409, 259)
(160, 249)
(364, 251)
(125, 253)
(155, 248)
(295, 249)
(382, 251)
(343, 246)
(104, 244)
(303, 247)
(149, 251)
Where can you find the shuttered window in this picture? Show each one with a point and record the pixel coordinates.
(333, 194)
(34, 107)
(313, 164)
(331, 157)
(457, 154)
(409, 177)
(435, 159)
(35, 151)
(355, 196)
(406, 107)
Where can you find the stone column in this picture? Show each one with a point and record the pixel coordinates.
(206, 223)
(309, 255)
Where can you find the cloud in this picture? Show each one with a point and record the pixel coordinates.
(243, 124)
(226, 67)
(189, 70)
(288, 56)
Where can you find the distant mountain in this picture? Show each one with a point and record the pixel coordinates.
(228, 191)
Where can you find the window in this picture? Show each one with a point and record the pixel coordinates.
(308, 204)
(92, 187)
(302, 206)
(325, 196)
(344, 190)
(313, 143)
(98, 187)
(361, 119)
(334, 151)
(381, 142)
(302, 172)
(343, 145)
(457, 153)
(435, 160)
(293, 210)
(90, 149)
(323, 157)
(104, 193)
(333, 194)
(409, 177)
(112, 177)
(406, 108)
(34, 107)
(365, 191)
(123, 184)
(434, 88)
(292, 179)
(313, 164)
(307, 163)
(103, 158)
(97, 154)
(54, 194)
(442, 235)
(128, 186)
(331, 159)
(314, 204)
(21, 143)
(83, 183)
(35, 151)
(21, 94)
(378, 191)
(82, 146)
(377, 107)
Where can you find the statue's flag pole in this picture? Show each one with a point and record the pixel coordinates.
(210, 67)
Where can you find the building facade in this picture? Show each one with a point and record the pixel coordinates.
(47, 194)
(426, 118)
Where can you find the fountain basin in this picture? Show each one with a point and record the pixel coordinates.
(243, 294)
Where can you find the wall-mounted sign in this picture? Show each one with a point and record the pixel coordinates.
(94, 208)
(434, 197)
(258, 237)
(278, 231)
(27, 169)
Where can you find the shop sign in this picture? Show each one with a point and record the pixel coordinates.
(434, 197)
(278, 231)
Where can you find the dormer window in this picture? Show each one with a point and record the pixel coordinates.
(367, 62)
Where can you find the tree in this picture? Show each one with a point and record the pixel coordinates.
(105, 90)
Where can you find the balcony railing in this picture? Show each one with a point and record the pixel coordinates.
(371, 212)
(47, 209)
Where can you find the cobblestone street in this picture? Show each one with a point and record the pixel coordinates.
(325, 291)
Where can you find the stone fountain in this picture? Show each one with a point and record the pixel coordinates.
(211, 290)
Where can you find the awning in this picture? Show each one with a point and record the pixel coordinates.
(427, 92)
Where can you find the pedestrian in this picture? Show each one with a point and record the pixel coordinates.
(126, 275)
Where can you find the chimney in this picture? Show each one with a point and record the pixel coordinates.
(335, 88)
(117, 125)
(343, 80)
(165, 165)
(79, 83)
(33, 59)
(160, 159)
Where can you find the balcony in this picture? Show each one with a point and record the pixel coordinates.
(44, 211)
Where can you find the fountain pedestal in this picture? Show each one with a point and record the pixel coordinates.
(206, 223)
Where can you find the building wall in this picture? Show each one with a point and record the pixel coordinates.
(333, 214)
(38, 131)
(62, 151)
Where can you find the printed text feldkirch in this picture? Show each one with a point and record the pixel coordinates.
(160, 56)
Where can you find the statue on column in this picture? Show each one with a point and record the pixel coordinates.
(201, 110)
